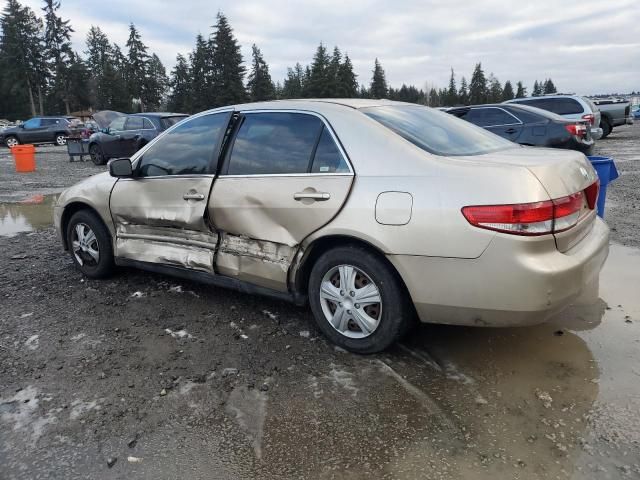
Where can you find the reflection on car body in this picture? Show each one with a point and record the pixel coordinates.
(373, 211)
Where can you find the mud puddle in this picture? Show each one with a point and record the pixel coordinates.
(31, 214)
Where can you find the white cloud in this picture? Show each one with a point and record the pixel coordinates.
(586, 48)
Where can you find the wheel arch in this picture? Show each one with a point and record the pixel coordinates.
(68, 212)
(323, 244)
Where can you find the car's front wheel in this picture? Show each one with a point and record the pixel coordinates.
(11, 142)
(357, 300)
(97, 157)
(89, 243)
(61, 139)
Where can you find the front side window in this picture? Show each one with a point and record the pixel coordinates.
(117, 125)
(490, 117)
(33, 123)
(274, 143)
(134, 123)
(190, 148)
(437, 132)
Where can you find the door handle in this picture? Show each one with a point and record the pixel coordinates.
(193, 196)
(511, 130)
(318, 196)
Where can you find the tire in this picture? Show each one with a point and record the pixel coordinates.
(97, 157)
(386, 321)
(606, 128)
(11, 141)
(60, 139)
(83, 248)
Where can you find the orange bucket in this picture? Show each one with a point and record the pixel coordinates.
(25, 158)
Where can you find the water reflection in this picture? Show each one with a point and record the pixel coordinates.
(31, 214)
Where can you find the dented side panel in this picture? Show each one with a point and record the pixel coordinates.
(155, 224)
(263, 223)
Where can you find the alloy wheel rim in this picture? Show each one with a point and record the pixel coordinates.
(85, 245)
(61, 140)
(12, 142)
(351, 301)
(95, 154)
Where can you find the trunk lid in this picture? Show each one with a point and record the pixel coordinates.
(561, 173)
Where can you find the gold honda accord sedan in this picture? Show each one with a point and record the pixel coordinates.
(374, 212)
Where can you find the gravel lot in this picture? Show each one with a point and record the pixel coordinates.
(145, 376)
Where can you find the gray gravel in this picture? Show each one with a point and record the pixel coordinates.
(146, 376)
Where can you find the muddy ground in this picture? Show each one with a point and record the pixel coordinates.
(145, 376)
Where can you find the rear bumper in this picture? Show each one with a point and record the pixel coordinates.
(516, 281)
(596, 133)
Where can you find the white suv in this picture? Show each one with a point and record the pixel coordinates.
(572, 107)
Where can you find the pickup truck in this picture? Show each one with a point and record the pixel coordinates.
(614, 112)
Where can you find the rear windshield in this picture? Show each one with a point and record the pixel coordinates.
(437, 132)
(167, 122)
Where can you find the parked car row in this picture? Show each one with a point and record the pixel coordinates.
(558, 121)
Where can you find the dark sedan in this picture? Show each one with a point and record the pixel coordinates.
(129, 133)
(529, 126)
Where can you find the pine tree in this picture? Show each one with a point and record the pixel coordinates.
(319, 84)
(57, 45)
(495, 90)
(201, 71)
(521, 91)
(22, 65)
(347, 79)
(180, 83)
(549, 87)
(137, 66)
(478, 90)
(155, 85)
(452, 93)
(463, 94)
(363, 92)
(226, 62)
(292, 87)
(378, 87)
(260, 85)
(78, 79)
(537, 89)
(116, 73)
(333, 70)
(507, 91)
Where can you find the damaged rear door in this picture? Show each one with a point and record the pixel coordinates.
(160, 215)
(284, 176)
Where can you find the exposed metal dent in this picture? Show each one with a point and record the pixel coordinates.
(264, 263)
(145, 250)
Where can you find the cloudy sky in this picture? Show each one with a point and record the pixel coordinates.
(587, 47)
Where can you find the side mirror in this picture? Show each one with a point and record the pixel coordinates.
(21, 125)
(105, 130)
(120, 168)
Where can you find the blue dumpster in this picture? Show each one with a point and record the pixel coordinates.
(607, 172)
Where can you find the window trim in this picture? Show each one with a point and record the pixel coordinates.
(232, 139)
(519, 122)
(214, 161)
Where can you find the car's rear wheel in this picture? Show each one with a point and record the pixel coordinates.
(89, 243)
(61, 139)
(11, 142)
(357, 300)
(96, 154)
(606, 127)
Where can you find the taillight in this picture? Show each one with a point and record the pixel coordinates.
(537, 218)
(576, 129)
(591, 194)
(589, 117)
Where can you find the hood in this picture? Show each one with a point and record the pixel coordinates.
(13, 129)
(105, 117)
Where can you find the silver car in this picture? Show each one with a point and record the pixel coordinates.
(375, 212)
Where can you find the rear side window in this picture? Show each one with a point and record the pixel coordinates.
(328, 158)
(134, 123)
(47, 122)
(437, 132)
(188, 149)
(274, 143)
(146, 124)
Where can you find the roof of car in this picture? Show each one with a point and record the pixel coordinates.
(158, 114)
(316, 103)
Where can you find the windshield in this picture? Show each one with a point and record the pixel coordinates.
(437, 132)
(167, 122)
